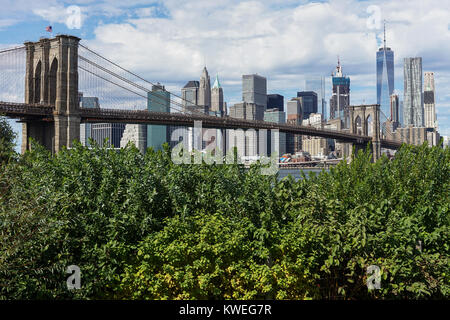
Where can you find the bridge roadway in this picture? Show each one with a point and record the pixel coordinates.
(41, 112)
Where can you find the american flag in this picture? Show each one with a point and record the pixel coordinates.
(49, 29)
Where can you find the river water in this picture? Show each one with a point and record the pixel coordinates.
(295, 173)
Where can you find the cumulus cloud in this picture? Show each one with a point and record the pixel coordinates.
(72, 16)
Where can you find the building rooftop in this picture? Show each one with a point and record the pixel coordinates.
(192, 84)
(306, 93)
(216, 82)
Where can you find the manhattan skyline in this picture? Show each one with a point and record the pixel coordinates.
(172, 42)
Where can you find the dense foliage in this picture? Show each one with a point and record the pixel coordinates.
(7, 141)
(141, 227)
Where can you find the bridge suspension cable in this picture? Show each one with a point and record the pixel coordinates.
(133, 84)
(123, 87)
(130, 72)
(384, 124)
(159, 94)
(12, 49)
(12, 75)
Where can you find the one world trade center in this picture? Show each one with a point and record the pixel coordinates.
(385, 79)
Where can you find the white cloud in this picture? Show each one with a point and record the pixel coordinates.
(72, 16)
(7, 22)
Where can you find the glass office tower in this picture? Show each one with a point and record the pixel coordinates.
(275, 101)
(309, 102)
(385, 79)
(159, 101)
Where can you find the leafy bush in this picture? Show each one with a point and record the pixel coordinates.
(141, 227)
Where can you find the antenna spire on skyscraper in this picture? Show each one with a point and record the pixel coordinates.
(338, 68)
(384, 33)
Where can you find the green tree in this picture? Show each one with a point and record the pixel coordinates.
(7, 140)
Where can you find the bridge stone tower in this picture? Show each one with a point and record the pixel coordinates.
(365, 120)
(52, 79)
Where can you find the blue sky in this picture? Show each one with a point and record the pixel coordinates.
(286, 41)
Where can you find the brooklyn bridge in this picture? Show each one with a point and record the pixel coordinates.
(50, 73)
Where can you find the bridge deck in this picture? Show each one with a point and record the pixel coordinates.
(45, 112)
(144, 116)
(14, 110)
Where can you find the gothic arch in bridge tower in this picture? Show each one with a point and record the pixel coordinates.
(369, 125)
(52, 76)
(37, 83)
(358, 126)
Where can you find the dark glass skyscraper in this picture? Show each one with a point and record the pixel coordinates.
(309, 102)
(385, 79)
(275, 101)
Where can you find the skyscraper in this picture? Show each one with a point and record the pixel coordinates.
(217, 103)
(340, 99)
(394, 112)
(246, 141)
(111, 131)
(309, 102)
(190, 94)
(214, 137)
(248, 111)
(254, 89)
(385, 78)
(136, 134)
(295, 111)
(413, 113)
(294, 116)
(429, 100)
(275, 101)
(159, 101)
(190, 100)
(394, 106)
(400, 114)
(204, 91)
(86, 128)
(275, 142)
